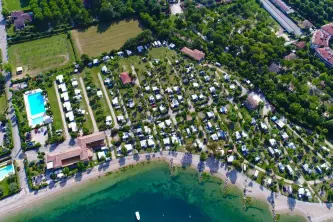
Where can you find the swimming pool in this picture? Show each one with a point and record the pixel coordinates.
(36, 103)
(6, 170)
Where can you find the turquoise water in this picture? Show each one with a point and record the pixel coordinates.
(36, 103)
(37, 120)
(158, 196)
(5, 171)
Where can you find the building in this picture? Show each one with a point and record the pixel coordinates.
(283, 6)
(95, 140)
(328, 28)
(69, 157)
(320, 39)
(325, 55)
(195, 54)
(252, 101)
(125, 78)
(281, 18)
(20, 18)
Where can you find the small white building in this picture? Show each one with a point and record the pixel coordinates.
(99, 94)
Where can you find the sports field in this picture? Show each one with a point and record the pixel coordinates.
(41, 55)
(13, 5)
(104, 37)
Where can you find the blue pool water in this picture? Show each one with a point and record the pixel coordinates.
(36, 103)
(37, 120)
(4, 171)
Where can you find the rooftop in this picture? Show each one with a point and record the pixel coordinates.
(194, 54)
(125, 78)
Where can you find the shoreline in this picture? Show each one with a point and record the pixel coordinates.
(283, 204)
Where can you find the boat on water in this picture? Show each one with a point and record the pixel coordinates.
(137, 215)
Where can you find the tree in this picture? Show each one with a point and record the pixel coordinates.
(203, 156)
(213, 147)
(11, 178)
(80, 166)
(123, 150)
(1, 191)
(85, 59)
(330, 196)
(8, 67)
(237, 165)
(66, 171)
(13, 188)
(189, 148)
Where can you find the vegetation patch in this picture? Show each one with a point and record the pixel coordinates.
(14, 5)
(105, 37)
(42, 54)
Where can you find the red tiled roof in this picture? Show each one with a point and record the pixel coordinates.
(69, 157)
(92, 138)
(291, 56)
(194, 54)
(281, 5)
(300, 44)
(320, 38)
(328, 28)
(125, 78)
(326, 54)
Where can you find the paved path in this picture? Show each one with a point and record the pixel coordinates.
(16, 153)
(3, 36)
(108, 101)
(67, 135)
(88, 105)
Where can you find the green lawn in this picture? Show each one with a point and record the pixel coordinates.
(3, 103)
(104, 37)
(57, 120)
(42, 54)
(104, 105)
(83, 105)
(14, 5)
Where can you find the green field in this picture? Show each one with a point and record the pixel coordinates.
(42, 54)
(3, 103)
(14, 5)
(104, 37)
(51, 95)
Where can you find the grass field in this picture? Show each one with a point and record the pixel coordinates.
(42, 54)
(51, 95)
(13, 5)
(3, 103)
(104, 37)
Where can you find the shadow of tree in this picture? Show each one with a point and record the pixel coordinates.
(122, 161)
(232, 175)
(213, 164)
(186, 160)
(291, 203)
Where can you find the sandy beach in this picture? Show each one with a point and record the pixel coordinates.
(317, 212)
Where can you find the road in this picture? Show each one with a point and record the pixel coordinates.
(16, 153)
(88, 105)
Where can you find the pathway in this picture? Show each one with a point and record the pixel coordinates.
(88, 105)
(67, 135)
(108, 101)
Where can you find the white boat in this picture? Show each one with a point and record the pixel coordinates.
(137, 215)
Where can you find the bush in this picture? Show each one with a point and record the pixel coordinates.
(13, 187)
(1, 192)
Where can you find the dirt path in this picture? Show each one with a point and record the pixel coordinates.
(77, 42)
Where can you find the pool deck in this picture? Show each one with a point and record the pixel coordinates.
(27, 106)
